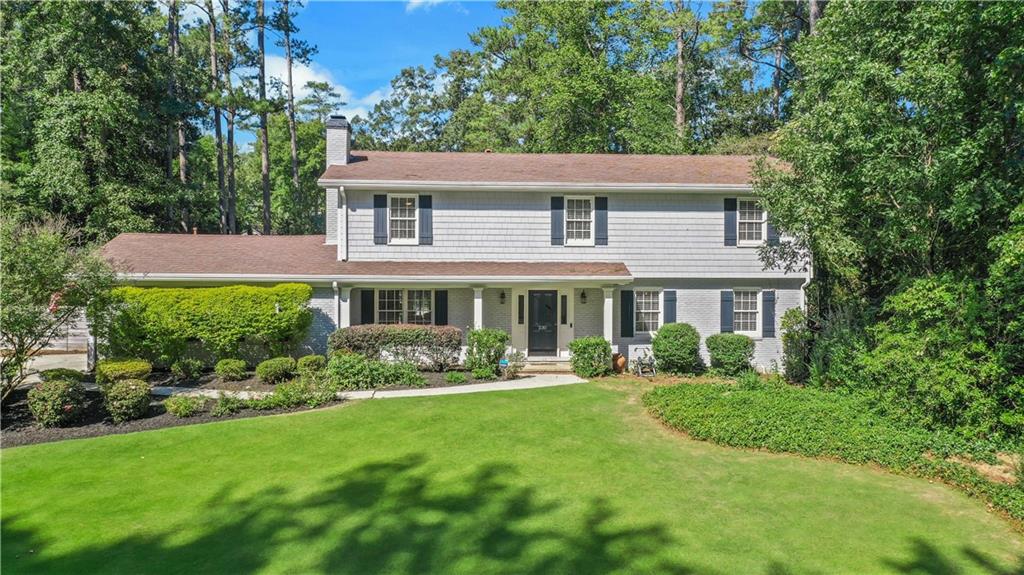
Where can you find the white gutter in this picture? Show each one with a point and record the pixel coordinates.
(376, 279)
(407, 185)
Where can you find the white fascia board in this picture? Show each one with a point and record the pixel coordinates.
(397, 280)
(406, 185)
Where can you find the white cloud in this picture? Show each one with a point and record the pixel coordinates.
(413, 5)
(301, 74)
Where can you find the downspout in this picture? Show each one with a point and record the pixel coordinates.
(342, 216)
(807, 282)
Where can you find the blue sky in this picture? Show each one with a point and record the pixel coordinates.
(363, 45)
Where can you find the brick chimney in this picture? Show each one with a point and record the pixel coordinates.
(339, 141)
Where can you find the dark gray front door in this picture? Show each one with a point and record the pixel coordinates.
(543, 339)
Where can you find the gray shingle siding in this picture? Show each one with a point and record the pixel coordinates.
(655, 235)
(331, 218)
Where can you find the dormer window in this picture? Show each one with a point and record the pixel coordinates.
(579, 220)
(403, 219)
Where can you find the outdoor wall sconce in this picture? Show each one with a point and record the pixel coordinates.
(501, 297)
(583, 296)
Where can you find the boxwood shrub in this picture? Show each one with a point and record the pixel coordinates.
(61, 373)
(433, 347)
(230, 369)
(111, 370)
(160, 324)
(731, 353)
(56, 402)
(486, 348)
(276, 370)
(676, 349)
(591, 356)
(310, 364)
(126, 399)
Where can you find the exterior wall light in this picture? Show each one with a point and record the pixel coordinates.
(583, 296)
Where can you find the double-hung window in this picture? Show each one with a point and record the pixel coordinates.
(746, 312)
(403, 219)
(647, 311)
(579, 221)
(405, 306)
(751, 223)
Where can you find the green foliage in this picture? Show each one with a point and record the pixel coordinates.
(591, 356)
(486, 347)
(455, 378)
(353, 371)
(47, 282)
(310, 364)
(820, 423)
(516, 361)
(110, 370)
(731, 353)
(435, 347)
(312, 391)
(484, 372)
(837, 348)
(187, 368)
(227, 405)
(1004, 292)
(126, 399)
(676, 349)
(796, 345)
(57, 402)
(160, 323)
(184, 405)
(61, 373)
(276, 370)
(230, 369)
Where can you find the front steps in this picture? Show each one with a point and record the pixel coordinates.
(537, 365)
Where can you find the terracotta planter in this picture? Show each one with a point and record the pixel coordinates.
(618, 362)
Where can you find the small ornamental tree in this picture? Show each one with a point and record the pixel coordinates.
(48, 279)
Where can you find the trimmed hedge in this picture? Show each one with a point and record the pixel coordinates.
(348, 370)
(731, 353)
(56, 402)
(111, 370)
(159, 324)
(676, 349)
(230, 369)
(591, 356)
(819, 423)
(276, 370)
(126, 399)
(486, 348)
(434, 347)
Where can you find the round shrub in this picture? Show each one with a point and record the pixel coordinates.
(309, 364)
(731, 353)
(111, 370)
(61, 373)
(126, 399)
(187, 368)
(184, 405)
(485, 349)
(676, 348)
(591, 356)
(56, 402)
(276, 370)
(230, 369)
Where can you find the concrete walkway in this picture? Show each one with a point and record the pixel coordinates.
(529, 382)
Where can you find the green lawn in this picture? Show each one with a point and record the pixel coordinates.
(573, 479)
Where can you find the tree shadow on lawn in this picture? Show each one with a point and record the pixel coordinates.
(396, 516)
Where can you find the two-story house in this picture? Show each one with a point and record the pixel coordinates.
(548, 247)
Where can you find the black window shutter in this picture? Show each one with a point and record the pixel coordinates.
(626, 313)
(563, 309)
(440, 307)
(521, 311)
(669, 313)
(557, 220)
(773, 235)
(730, 221)
(601, 221)
(426, 220)
(768, 321)
(726, 311)
(366, 305)
(380, 219)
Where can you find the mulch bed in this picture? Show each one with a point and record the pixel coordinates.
(211, 381)
(18, 427)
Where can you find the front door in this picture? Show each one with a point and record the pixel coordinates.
(543, 332)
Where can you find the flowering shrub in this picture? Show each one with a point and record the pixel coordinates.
(126, 399)
(56, 402)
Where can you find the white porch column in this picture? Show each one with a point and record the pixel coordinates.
(609, 325)
(344, 309)
(478, 308)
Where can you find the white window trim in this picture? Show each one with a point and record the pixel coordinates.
(661, 309)
(405, 304)
(593, 221)
(756, 334)
(764, 225)
(415, 239)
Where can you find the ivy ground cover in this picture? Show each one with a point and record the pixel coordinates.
(576, 479)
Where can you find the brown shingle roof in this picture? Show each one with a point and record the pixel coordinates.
(308, 256)
(544, 168)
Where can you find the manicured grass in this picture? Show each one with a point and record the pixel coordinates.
(574, 479)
